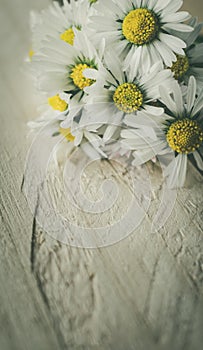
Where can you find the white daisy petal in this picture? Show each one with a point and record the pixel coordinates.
(198, 104)
(178, 99)
(114, 65)
(178, 26)
(134, 66)
(78, 138)
(196, 59)
(176, 171)
(160, 5)
(140, 119)
(173, 42)
(165, 52)
(142, 157)
(172, 6)
(90, 73)
(167, 100)
(191, 93)
(152, 110)
(90, 151)
(145, 58)
(198, 70)
(198, 160)
(182, 170)
(190, 38)
(176, 17)
(110, 130)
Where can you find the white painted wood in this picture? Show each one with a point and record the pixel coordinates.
(143, 293)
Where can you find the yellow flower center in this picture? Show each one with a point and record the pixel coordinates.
(68, 36)
(128, 98)
(78, 78)
(140, 26)
(180, 67)
(67, 134)
(31, 54)
(185, 136)
(57, 103)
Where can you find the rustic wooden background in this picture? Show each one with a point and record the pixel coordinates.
(145, 292)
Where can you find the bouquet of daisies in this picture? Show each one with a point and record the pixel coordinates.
(122, 78)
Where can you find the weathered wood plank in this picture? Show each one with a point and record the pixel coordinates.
(24, 319)
(147, 286)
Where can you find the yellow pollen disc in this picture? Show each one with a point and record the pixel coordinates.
(180, 67)
(78, 78)
(57, 103)
(68, 36)
(67, 134)
(185, 136)
(140, 26)
(128, 98)
(31, 54)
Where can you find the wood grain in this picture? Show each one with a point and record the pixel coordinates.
(145, 292)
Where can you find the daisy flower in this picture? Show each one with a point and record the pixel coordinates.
(59, 68)
(191, 63)
(118, 93)
(139, 30)
(178, 132)
(88, 134)
(51, 109)
(85, 137)
(89, 139)
(59, 22)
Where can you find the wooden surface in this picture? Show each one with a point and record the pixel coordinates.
(146, 292)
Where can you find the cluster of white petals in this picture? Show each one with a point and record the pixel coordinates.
(122, 75)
